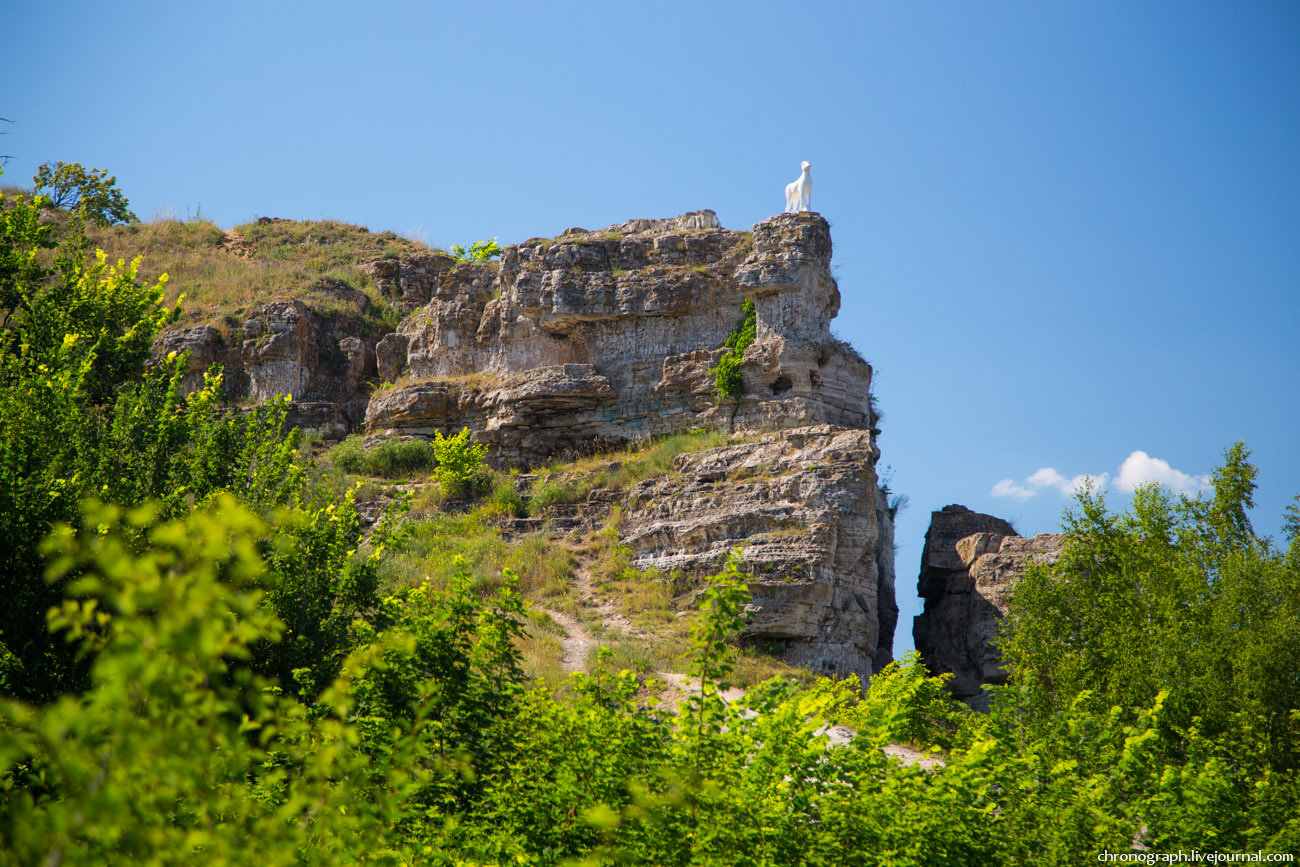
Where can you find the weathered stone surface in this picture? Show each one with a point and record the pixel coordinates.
(326, 363)
(645, 305)
(411, 281)
(595, 339)
(205, 347)
(969, 568)
(390, 356)
(803, 504)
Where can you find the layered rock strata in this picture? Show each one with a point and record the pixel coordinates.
(969, 568)
(601, 338)
(804, 506)
(596, 339)
(321, 362)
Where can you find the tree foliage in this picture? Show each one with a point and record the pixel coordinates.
(479, 251)
(92, 194)
(83, 414)
(460, 464)
(1177, 596)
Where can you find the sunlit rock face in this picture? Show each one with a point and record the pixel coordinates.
(817, 543)
(635, 316)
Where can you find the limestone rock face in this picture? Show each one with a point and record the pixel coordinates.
(595, 339)
(969, 567)
(804, 506)
(644, 306)
(288, 348)
(205, 347)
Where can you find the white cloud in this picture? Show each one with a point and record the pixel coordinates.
(1008, 488)
(1140, 468)
(1048, 478)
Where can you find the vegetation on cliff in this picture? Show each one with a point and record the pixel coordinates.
(204, 659)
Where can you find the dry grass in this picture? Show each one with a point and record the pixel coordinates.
(561, 483)
(283, 259)
(659, 608)
(542, 652)
(477, 379)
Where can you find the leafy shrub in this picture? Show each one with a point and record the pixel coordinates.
(460, 464)
(910, 706)
(350, 455)
(727, 376)
(389, 459)
(481, 251)
(400, 457)
(505, 500)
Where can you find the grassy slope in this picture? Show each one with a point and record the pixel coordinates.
(228, 275)
(643, 617)
(225, 276)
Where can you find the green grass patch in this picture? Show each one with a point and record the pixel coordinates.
(391, 459)
(433, 542)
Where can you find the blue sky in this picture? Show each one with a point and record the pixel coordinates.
(1064, 233)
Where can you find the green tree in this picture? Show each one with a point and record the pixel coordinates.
(82, 413)
(1178, 596)
(92, 194)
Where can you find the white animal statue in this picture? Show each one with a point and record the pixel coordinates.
(798, 196)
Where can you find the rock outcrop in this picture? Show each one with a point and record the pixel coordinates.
(323, 362)
(969, 567)
(601, 338)
(805, 507)
(595, 339)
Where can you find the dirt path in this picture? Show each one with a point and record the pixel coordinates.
(578, 641)
(236, 245)
(577, 644)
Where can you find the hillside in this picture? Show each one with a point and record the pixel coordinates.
(523, 603)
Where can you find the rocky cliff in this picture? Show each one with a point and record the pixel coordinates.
(600, 338)
(969, 567)
(323, 361)
(817, 540)
(595, 339)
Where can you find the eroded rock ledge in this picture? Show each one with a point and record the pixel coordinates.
(601, 338)
(816, 535)
(969, 567)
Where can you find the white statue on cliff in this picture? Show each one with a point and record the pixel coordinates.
(798, 195)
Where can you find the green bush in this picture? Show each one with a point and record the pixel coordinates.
(727, 376)
(460, 464)
(480, 251)
(389, 459)
(349, 455)
(505, 500)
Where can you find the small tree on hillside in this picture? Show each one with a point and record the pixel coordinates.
(93, 194)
